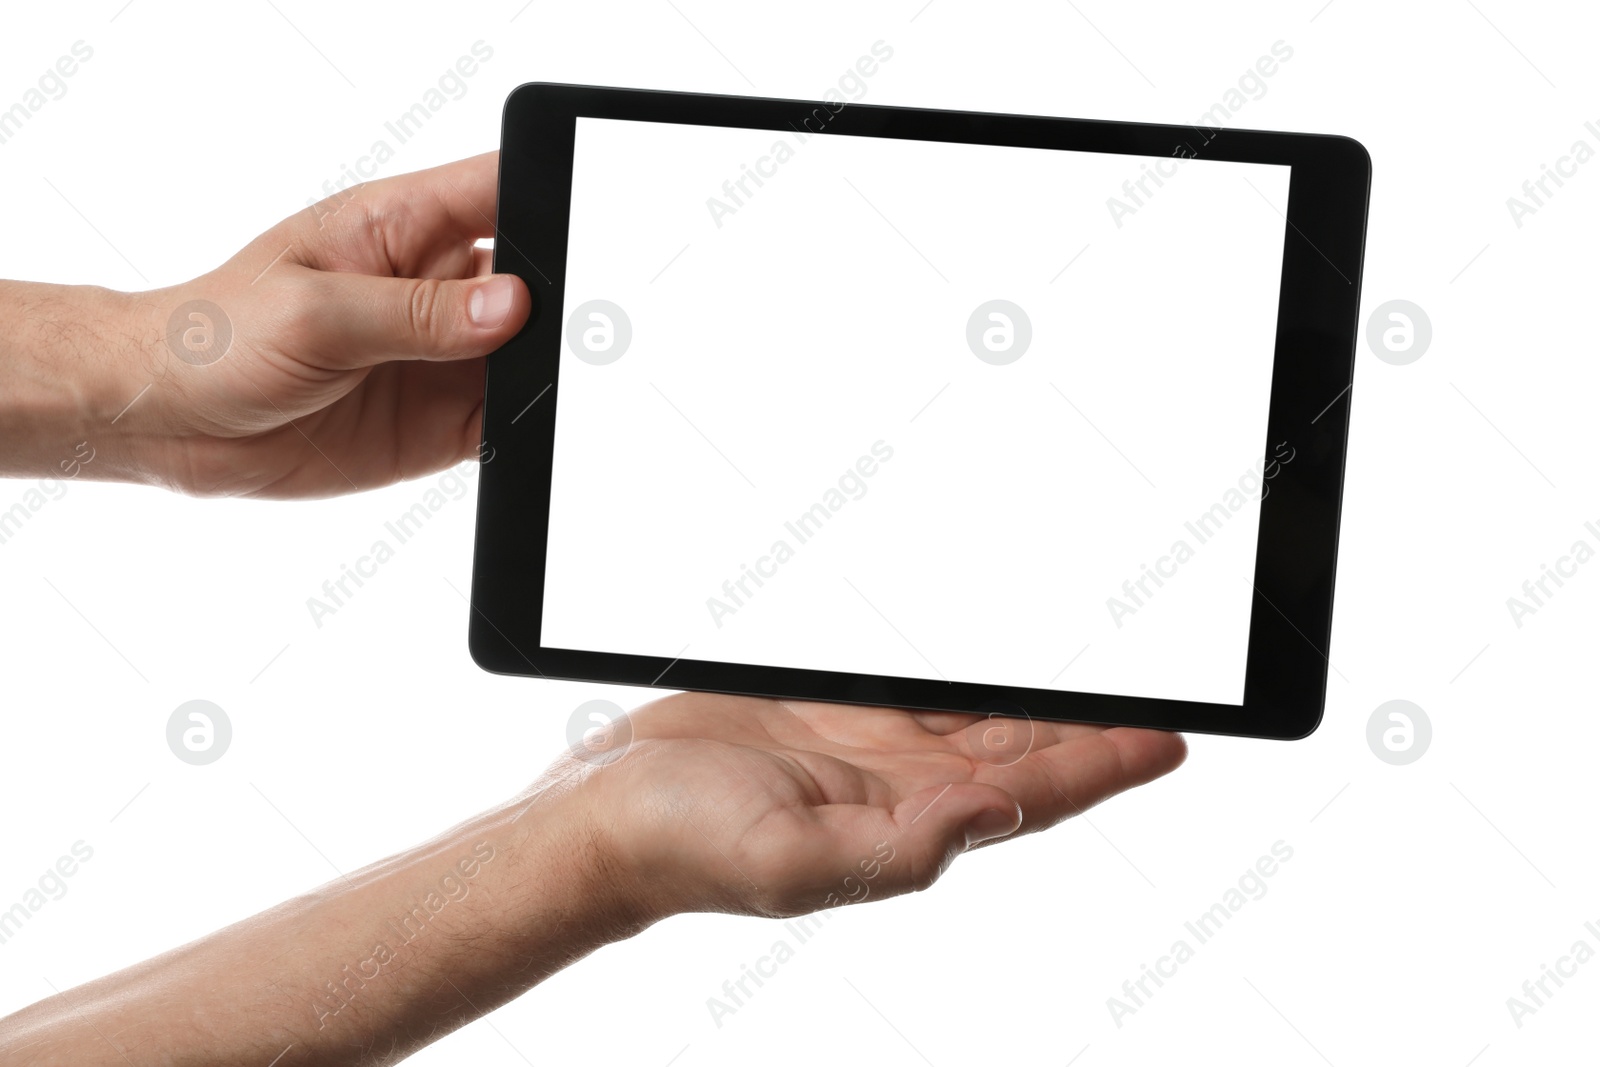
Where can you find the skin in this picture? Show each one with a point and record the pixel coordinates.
(356, 362)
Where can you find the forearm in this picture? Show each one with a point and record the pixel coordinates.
(70, 364)
(367, 968)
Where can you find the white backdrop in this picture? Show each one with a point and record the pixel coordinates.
(1417, 898)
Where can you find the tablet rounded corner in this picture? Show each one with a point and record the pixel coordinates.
(1355, 154)
(524, 95)
(1301, 728)
(487, 649)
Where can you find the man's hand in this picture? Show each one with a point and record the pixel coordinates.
(715, 804)
(721, 803)
(339, 351)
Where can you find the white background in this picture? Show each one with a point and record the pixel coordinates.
(1418, 898)
(1016, 500)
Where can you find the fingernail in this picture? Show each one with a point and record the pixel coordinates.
(490, 302)
(990, 825)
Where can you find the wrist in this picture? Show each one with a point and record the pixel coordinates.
(566, 830)
(70, 370)
(426, 940)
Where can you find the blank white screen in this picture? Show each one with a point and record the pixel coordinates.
(781, 332)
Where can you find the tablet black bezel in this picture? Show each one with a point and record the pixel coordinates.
(1291, 613)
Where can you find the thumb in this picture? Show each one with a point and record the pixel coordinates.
(935, 825)
(361, 320)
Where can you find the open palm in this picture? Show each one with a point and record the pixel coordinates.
(782, 807)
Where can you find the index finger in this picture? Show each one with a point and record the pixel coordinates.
(399, 225)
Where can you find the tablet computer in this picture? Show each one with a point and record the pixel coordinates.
(928, 409)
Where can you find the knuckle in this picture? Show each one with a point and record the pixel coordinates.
(924, 874)
(425, 308)
(932, 866)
